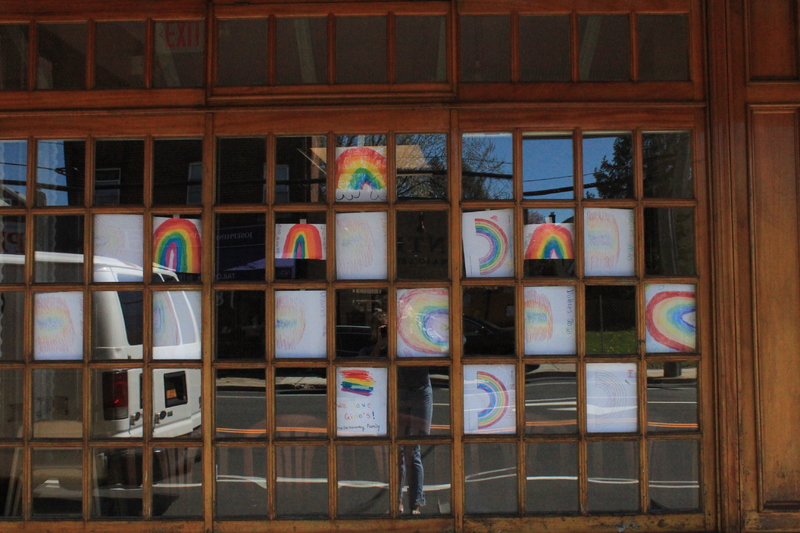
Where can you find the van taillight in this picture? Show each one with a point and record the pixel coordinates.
(115, 395)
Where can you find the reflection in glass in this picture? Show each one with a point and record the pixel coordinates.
(300, 245)
(607, 166)
(177, 482)
(179, 47)
(118, 172)
(363, 473)
(361, 49)
(12, 318)
(604, 53)
(241, 168)
(12, 249)
(440, 386)
(176, 324)
(663, 47)
(14, 57)
(177, 401)
(422, 244)
(62, 56)
(11, 383)
(544, 48)
(672, 396)
(61, 237)
(669, 241)
(547, 166)
(117, 403)
(301, 50)
(60, 172)
(13, 165)
(429, 494)
(117, 482)
(11, 482)
(551, 477)
(485, 47)
(613, 476)
(242, 52)
(240, 331)
(241, 476)
(58, 325)
(361, 328)
(241, 404)
(177, 171)
(489, 321)
(490, 476)
(119, 55)
(302, 481)
(667, 162)
(57, 482)
(118, 248)
(549, 241)
(551, 392)
(674, 483)
(611, 320)
(177, 248)
(300, 169)
(117, 324)
(420, 49)
(57, 401)
(301, 399)
(421, 166)
(241, 241)
(487, 166)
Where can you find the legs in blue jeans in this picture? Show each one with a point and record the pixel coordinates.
(416, 410)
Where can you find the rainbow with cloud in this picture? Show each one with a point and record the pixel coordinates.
(303, 241)
(496, 256)
(361, 174)
(550, 241)
(177, 244)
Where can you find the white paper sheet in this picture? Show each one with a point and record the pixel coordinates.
(670, 318)
(549, 320)
(300, 326)
(361, 402)
(611, 397)
(58, 325)
(361, 245)
(608, 242)
(423, 322)
(489, 399)
(488, 241)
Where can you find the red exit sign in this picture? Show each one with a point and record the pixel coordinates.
(184, 34)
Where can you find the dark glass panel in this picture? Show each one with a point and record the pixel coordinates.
(293, 229)
(613, 476)
(119, 173)
(241, 476)
(57, 404)
(424, 480)
(119, 55)
(117, 324)
(607, 166)
(611, 320)
(552, 477)
(423, 400)
(422, 244)
(674, 483)
(667, 160)
(485, 46)
(117, 483)
(60, 172)
(302, 481)
(420, 49)
(11, 397)
(62, 56)
(13, 170)
(489, 321)
(672, 396)
(241, 167)
(549, 242)
(663, 47)
(490, 475)
(547, 166)
(421, 166)
(240, 325)
(177, 171)
(12, 249)
(241, 404)
(11, 482)
(300, 169)
(669, 241)
(301, 399)
(179, 53)
(12, 331)
(242, 52)
(363, 473)
(64, 498)
(13, 57)
(177, 482)
(301, 51)
(117, 406)
(241, 247)
(604, 53)
(361, 328)
(361, 49)
(551, 392)
(487, 166)
(62, 234)
(544, 48)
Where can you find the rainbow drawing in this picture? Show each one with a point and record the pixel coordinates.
(165, 325)
(303, 241)
(550, 241)
(602, 240)
(498, 245)
(357, 381)
(670, 320)
(290, 321)
(361, 174)
(538, 317)
(499, 400)
(58, 326)
(361, 245)
(177, 244)
(423, 322)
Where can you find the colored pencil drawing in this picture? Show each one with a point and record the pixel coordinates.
(300, 327)
(549, 320)
(58, 326)
(670, 318)
(361, 174)
(608, 242)
(423, 322)
(489, 399)
(361, 245)
(488, 243)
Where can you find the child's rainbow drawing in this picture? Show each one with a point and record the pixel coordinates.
(670, 318)
(58, 325)
(487, 238)
(361, 245)
(489, 399)
(290, 322)
(177, 244)
(300, 241)
(361, 174)
(538, 318)
(358, 381)
(498, 400)
(550, 241)
(119, 237)
(300, 329)
(361, 395)
(165, 325)
(498, 245)
(608, 242)
(423, 322)
(549, 320)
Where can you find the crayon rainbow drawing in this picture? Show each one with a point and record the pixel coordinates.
(602, 240)
(498, 400)
(165, 326)
(58, 327)
(550, 241)
(670, 319)
(290, 321)
(538, 317)
(361, 174)
(177, 244)
(361, 245)
(423, 322)
(358, 381)
(498, 245)
(303, 241)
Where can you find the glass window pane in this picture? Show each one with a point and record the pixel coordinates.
(669, 241)
(552, 477)
(488, 243)
(674, 483)
(13, 57)
(118, 248)
(611, 320)
(547, 166)
(240, 325)
(301, 243)
(361, 398)
(608, 242)
(424, 480)
(179, 47)
(60, 172)
(177, 482)
(549, 241)
(242, 52)
(11, 397)
(667, 160)
(62, 56)
(13, 169)
(302, 481)
(241, 247)
(551, 392)
(672, 396)
(489, 321)
(58, 325)
(117, 483)
(241, 404)
(363, 473)
(57, 404)
(361, 245)
(544, 48)
(423, 400)
(12, 331)
(490, 399)
(611, 395)
(300, 324)
(361, 171)
(117, 324)
(670, 318)
(177, 397)
(487, 166)
(423, 322)
(61, 237)
(485, 46)
(119, 173)
(177, 171)
(64, 498)
(420, 49)
(490, 475)
(361, 50)
(663, 47)
(422, 244)
(177, 248)
(176, 324)
(604, 53)
(301, 50)
(241, 476)
(301, 402)
(12, 249)
(117, 403)
(11, 482)
(613, 476)
(421, 166)
(119, 55)
(301, 170)
(607, 166)
(241, 170)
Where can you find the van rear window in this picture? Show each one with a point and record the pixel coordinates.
(131, 304)
(175, 389)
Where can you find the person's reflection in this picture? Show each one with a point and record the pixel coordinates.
(379, 343)
(415, 409)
